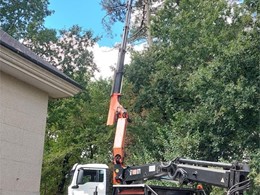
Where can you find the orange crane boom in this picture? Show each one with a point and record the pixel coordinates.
(117, 113)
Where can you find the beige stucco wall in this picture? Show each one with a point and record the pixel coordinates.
(23, 111)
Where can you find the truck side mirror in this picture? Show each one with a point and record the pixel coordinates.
(75, 187)
(79, 178)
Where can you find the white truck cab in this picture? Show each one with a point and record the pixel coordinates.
(89, 179)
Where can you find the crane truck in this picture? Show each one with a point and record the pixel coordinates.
(95, 179)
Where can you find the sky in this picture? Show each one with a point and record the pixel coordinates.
(88, 14)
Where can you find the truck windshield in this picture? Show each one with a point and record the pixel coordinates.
(91, 176)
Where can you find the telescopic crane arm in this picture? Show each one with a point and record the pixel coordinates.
(232, 176)
(117, 113)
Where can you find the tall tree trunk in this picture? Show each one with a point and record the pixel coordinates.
(64, 173)
(148, 22)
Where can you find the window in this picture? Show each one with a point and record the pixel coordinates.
(86, 175)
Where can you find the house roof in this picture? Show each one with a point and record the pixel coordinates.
(8, 42)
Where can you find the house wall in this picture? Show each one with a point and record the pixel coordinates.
(23, 111)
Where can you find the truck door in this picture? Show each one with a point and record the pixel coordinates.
(90, 181)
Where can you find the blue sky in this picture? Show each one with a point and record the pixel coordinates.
(87, 14)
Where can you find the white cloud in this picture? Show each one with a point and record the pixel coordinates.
(105, 58)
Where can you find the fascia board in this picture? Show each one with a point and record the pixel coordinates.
(25, 70)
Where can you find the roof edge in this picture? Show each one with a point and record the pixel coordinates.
(12, 44)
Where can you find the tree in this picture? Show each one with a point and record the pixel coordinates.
(23, 19)
(76, 133)
(75, 126)
(70, 52)
(142, 12)
(196, 89)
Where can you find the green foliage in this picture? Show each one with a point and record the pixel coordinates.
(227, 89)
(73, 54)
(75, 126)
(70, 52)
(23, 19)
(76, 133)
(197, 89)
(255, 172)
